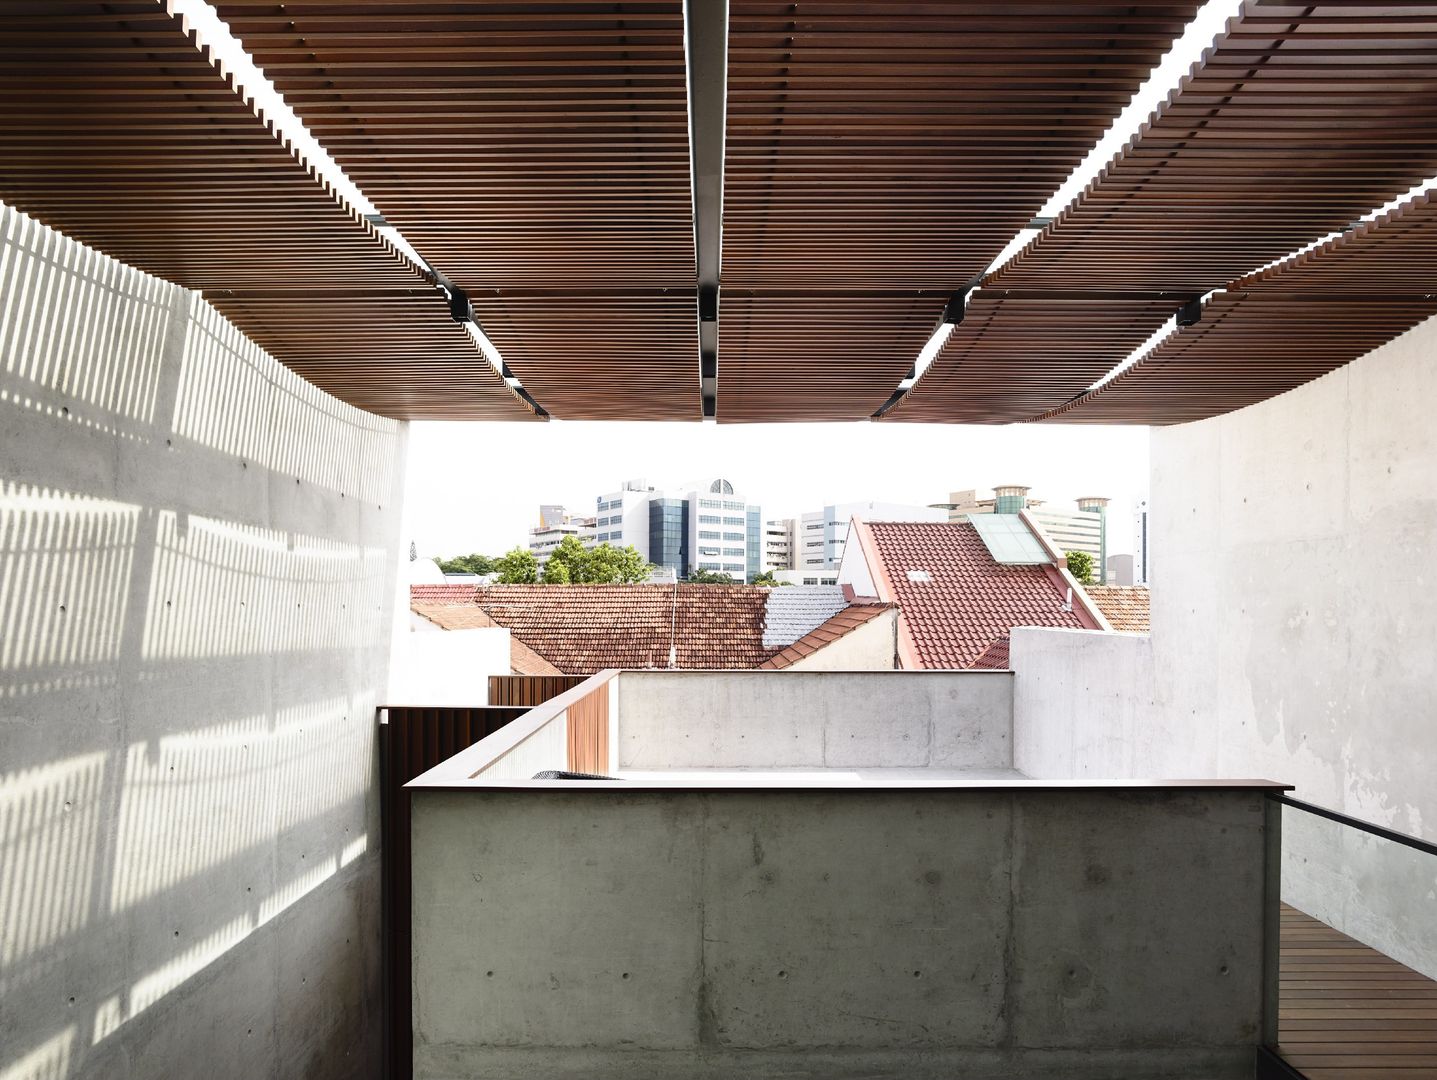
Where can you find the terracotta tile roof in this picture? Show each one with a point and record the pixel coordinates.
(833, 628)
(994, 657)
(1126, 607)
(525, 661)
(442, 594)
(467, 615)
(955, 600)
(582, 629)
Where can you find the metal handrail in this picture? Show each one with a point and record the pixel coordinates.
(1357, 823)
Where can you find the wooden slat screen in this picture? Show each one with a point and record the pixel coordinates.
(1300, 119)
(1015, 356)
(1272, 331)
(537, 155)
(529, 690)
(412, 740)
(116, 130)
(877, 157)
(589, 732)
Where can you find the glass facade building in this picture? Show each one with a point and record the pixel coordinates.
(668, 534)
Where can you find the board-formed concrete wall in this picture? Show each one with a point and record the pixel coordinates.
(798, 719)
(1294, 635)
(196, 588)
(832, 934)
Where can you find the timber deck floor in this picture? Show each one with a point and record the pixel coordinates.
(1347, 1012)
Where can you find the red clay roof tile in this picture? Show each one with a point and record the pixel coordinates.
(964, 600)
(1127, 608)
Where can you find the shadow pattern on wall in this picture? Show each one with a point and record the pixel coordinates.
(196, 579)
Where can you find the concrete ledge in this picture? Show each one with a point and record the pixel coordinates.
(509, 1063)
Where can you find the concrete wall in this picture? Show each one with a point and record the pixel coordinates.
(1293, 634)
(795, 719)
(833, 934)
(871, 647)
(432, 666)
(196, 582)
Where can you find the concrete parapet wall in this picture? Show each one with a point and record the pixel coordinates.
(1293, 625)
(934, 933)
(793, 719)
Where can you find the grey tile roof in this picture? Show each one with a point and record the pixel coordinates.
(794, 610)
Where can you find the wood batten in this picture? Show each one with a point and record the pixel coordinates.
(1297, 121)
(117, 130)
(1016, 355)
(876, 158)
(535, 154)
(1274, 330)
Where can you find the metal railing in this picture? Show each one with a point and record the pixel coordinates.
(1357, 823)
(1271, 1064)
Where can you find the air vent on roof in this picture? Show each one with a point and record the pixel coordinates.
(919, 575)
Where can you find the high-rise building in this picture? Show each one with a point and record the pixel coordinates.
(555, 523)
(700, 525)
(779, 540)
(820, 535)
(1083, 529)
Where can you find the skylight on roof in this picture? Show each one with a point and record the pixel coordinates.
(1009, 540)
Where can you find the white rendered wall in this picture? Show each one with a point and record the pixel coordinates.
(871, 647)
(197, 572)
(448, 668)
(1294, 634)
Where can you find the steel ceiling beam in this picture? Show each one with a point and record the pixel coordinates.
(706, 53)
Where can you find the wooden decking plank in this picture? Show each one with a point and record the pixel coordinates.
(1347, 1012)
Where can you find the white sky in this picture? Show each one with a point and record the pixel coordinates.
(477, 487)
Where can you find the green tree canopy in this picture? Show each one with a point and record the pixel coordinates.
(607, 564)
(709, 577)
(767, 579)
(469, 564)
(556, 572)
(518, 567)
(572, 564)
(1080, 565)
(568, 563)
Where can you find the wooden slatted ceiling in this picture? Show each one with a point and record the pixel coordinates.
(893, 151)
(1277, 329)
(1015, 356)
(1347, 1012)
(536, 154)
(624, 345)
(843, 343)
(1296, 122)
(118, 131)
(1300, 119)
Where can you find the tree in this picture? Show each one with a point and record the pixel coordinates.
(1080, 565)
(469, 564)
(767, 580)
(568, 563)
(518, 567)
(607, 564)
(709, 577)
